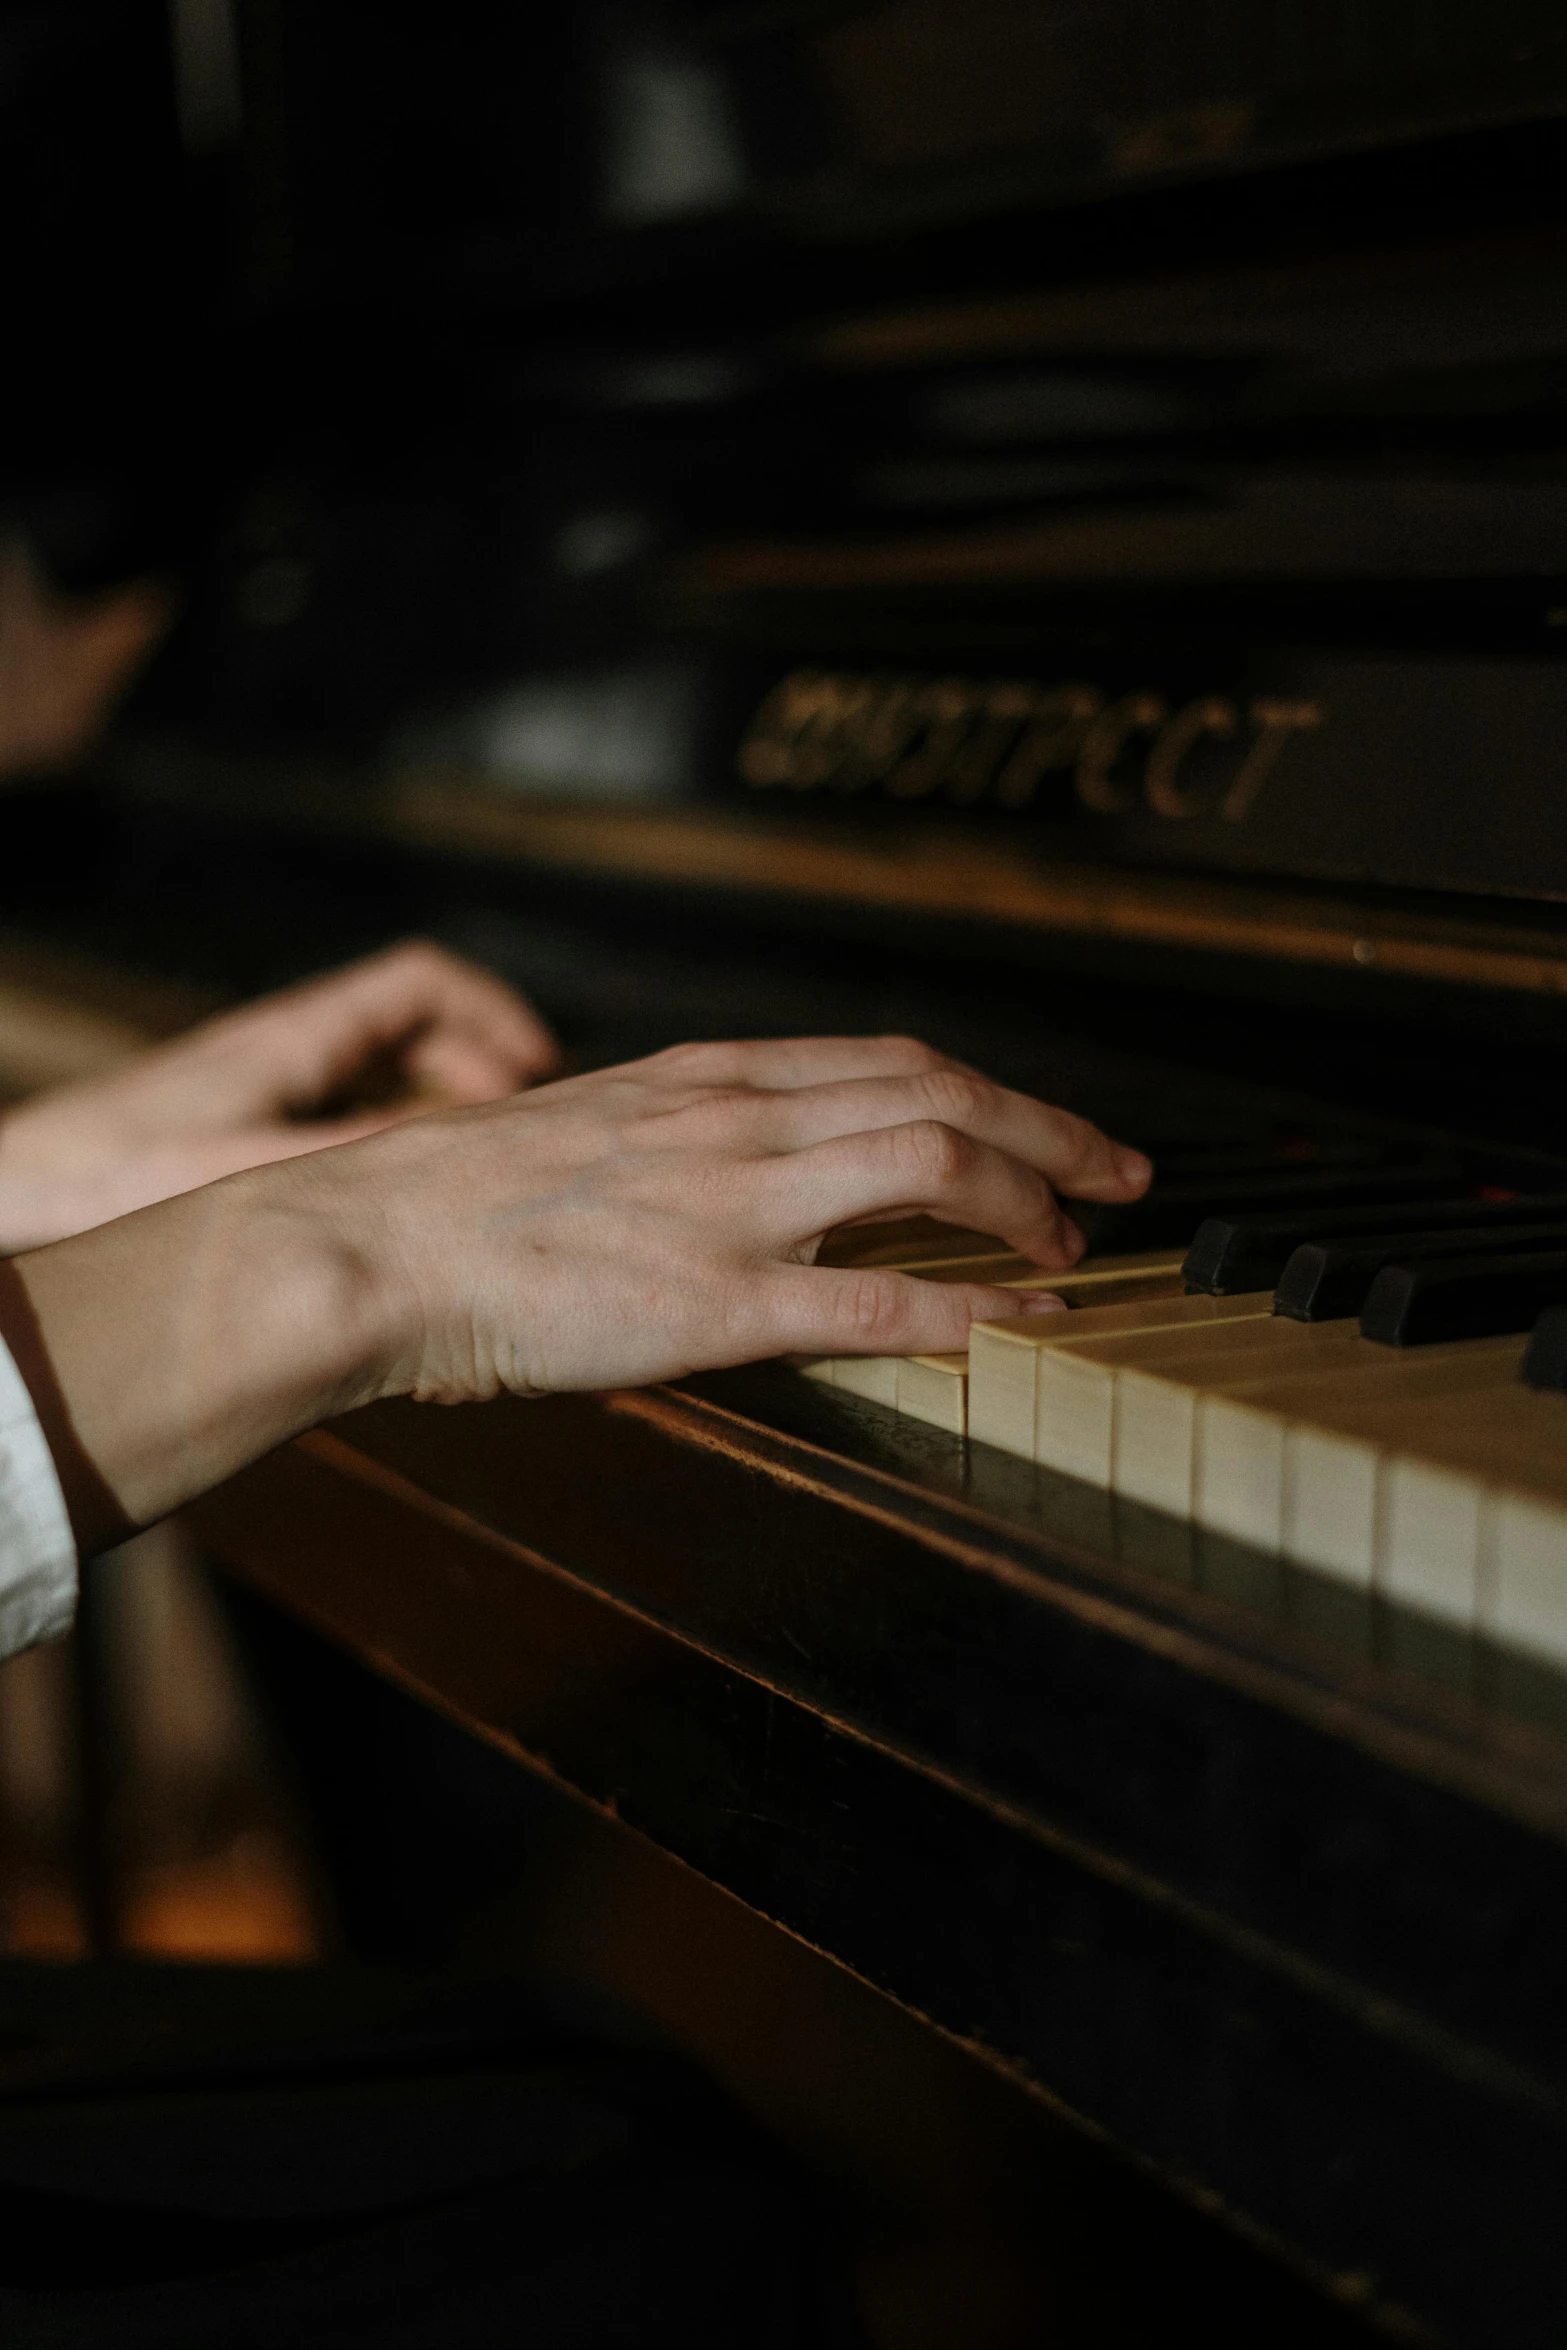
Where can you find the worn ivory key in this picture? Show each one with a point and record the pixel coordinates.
(933, 1388)
(1240, 1437)
(1405, 1484)
(1008, 1360)
(1425, 1527)
(1077, 1413)
(1160, 1398)
(1523, 1602)
(936, 1391)
(1289, 1463)
(1466, 1504)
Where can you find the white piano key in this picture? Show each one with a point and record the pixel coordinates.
(1525, 1603)
(934, 1388)
(1429, 1535)
(1328, 1514)
(1238, 1471)
(1003, 1383)
(1074, 1425)
(1151, 1440)
(1161, 1387)
(1301, 1455)
(875, 1377)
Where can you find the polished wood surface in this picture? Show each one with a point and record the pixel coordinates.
(1289, 1925)
(954, 874)
(923, 867)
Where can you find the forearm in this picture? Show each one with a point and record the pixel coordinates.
(631, 1225)
(167, 1349)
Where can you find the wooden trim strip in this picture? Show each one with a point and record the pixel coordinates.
(943, 871)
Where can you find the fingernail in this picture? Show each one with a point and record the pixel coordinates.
(1073, 1239)
(1040, 1301)
(1131, 1166)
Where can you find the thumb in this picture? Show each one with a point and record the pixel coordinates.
(818, 1310)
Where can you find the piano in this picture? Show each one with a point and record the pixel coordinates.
(1044, 526)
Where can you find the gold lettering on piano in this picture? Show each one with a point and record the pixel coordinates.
(1052, 738)
(1275, 723)
(998, 740)
(1104, 744)
(944, 716)
(1162, 783)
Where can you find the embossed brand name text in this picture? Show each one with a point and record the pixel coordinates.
(998, 742)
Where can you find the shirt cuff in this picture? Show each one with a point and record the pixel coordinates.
(37, 1549)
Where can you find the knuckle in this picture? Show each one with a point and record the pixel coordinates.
(875, 1311)
(722, 1114)
(686, 1062)
(956, 1097)
(1051, 1224)
(674, 1067)
(421, 954)
(932, 1152)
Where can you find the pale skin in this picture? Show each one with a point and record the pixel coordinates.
(596, 1231)
(246, 1088)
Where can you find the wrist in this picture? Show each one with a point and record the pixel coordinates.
(342, 1319)
(192, 1337)
(37, 1200)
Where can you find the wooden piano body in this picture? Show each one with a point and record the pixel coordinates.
(1086, 580)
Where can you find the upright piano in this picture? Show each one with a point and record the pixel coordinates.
(1043, 525)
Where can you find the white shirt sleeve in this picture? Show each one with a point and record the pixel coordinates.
(37, 1552)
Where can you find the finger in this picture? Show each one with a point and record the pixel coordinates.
(812, 1311)
(1072, 1155)
(923, 1168)
(460, 1068)
(313, 1039)
(770, 1063)
(420, 995)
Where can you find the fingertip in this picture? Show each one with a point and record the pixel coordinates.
(1133, 1169)
(467, 1069)
(999, 1305)
(1065, 1247)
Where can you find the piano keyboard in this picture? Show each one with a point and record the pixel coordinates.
(1425, 1472)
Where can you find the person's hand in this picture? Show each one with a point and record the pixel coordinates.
(240, 1090)
(603, 1231)
(662, 1218)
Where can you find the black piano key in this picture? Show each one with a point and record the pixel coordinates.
(1236, 1253)
(1474, 1297)
(1545, 1356)
(1170, 1213)
(1324, 1283)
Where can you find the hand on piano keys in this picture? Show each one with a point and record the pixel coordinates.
(1329, 1374)
(328, 1061)
(623, 1226)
